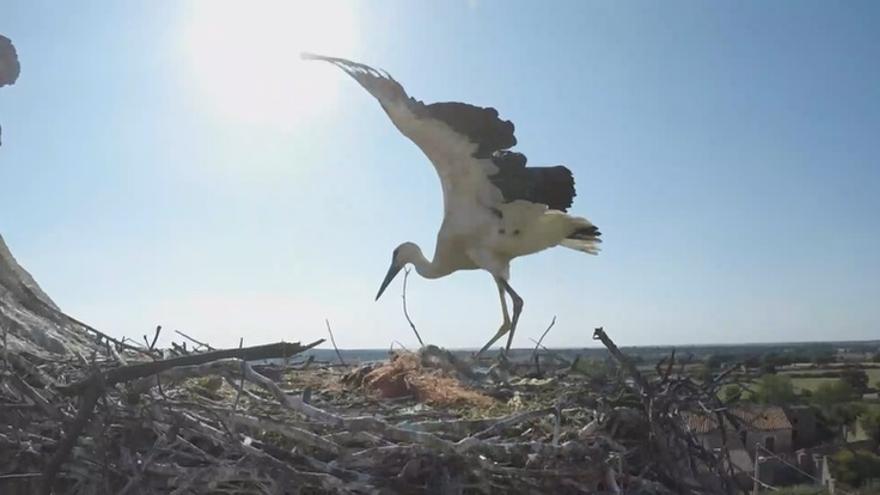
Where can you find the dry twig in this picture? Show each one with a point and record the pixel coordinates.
(194, 341)
(333, 341)
(405, 312)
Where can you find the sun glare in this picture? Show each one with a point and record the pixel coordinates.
(243, 57)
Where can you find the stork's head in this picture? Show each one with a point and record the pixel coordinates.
(403, 254)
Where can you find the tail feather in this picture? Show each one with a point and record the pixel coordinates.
(590, 232)
(586, 238)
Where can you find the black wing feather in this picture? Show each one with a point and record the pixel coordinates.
(480, 124)
(552, 186)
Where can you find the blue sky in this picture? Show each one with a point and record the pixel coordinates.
(176, 163)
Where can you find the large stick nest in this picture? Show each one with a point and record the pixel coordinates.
(85, 413)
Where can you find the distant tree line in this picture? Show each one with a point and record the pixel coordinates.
(769, 361)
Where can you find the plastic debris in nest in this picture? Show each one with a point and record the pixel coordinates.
(405, 375)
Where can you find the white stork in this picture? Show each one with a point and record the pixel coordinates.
(495, 208)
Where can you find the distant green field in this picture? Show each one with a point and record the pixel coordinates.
(807, 372)
(873, 377)
(813, 383)
(810, 384)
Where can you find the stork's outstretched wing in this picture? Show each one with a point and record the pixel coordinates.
(467, 145)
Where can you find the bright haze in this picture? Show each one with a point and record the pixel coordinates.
(176, 163)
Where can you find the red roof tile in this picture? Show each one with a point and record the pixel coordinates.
(759, 418)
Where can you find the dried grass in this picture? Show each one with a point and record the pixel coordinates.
(405, 375)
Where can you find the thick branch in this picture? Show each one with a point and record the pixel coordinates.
(141, 370)
(599, 334)
(83, 416)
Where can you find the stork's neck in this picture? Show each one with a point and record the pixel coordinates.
(425, 268)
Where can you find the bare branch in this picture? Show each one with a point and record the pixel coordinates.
(241, 383)
(555, 355)
(333, 341)
(141, 370)
(155, 337)
(538, 344)
(194, 341)
(405, 312)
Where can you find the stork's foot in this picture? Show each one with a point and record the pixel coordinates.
(505, 327)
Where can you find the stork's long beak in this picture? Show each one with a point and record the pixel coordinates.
(392, 272)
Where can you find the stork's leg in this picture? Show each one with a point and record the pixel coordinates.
(517, 309)
(505, 325)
